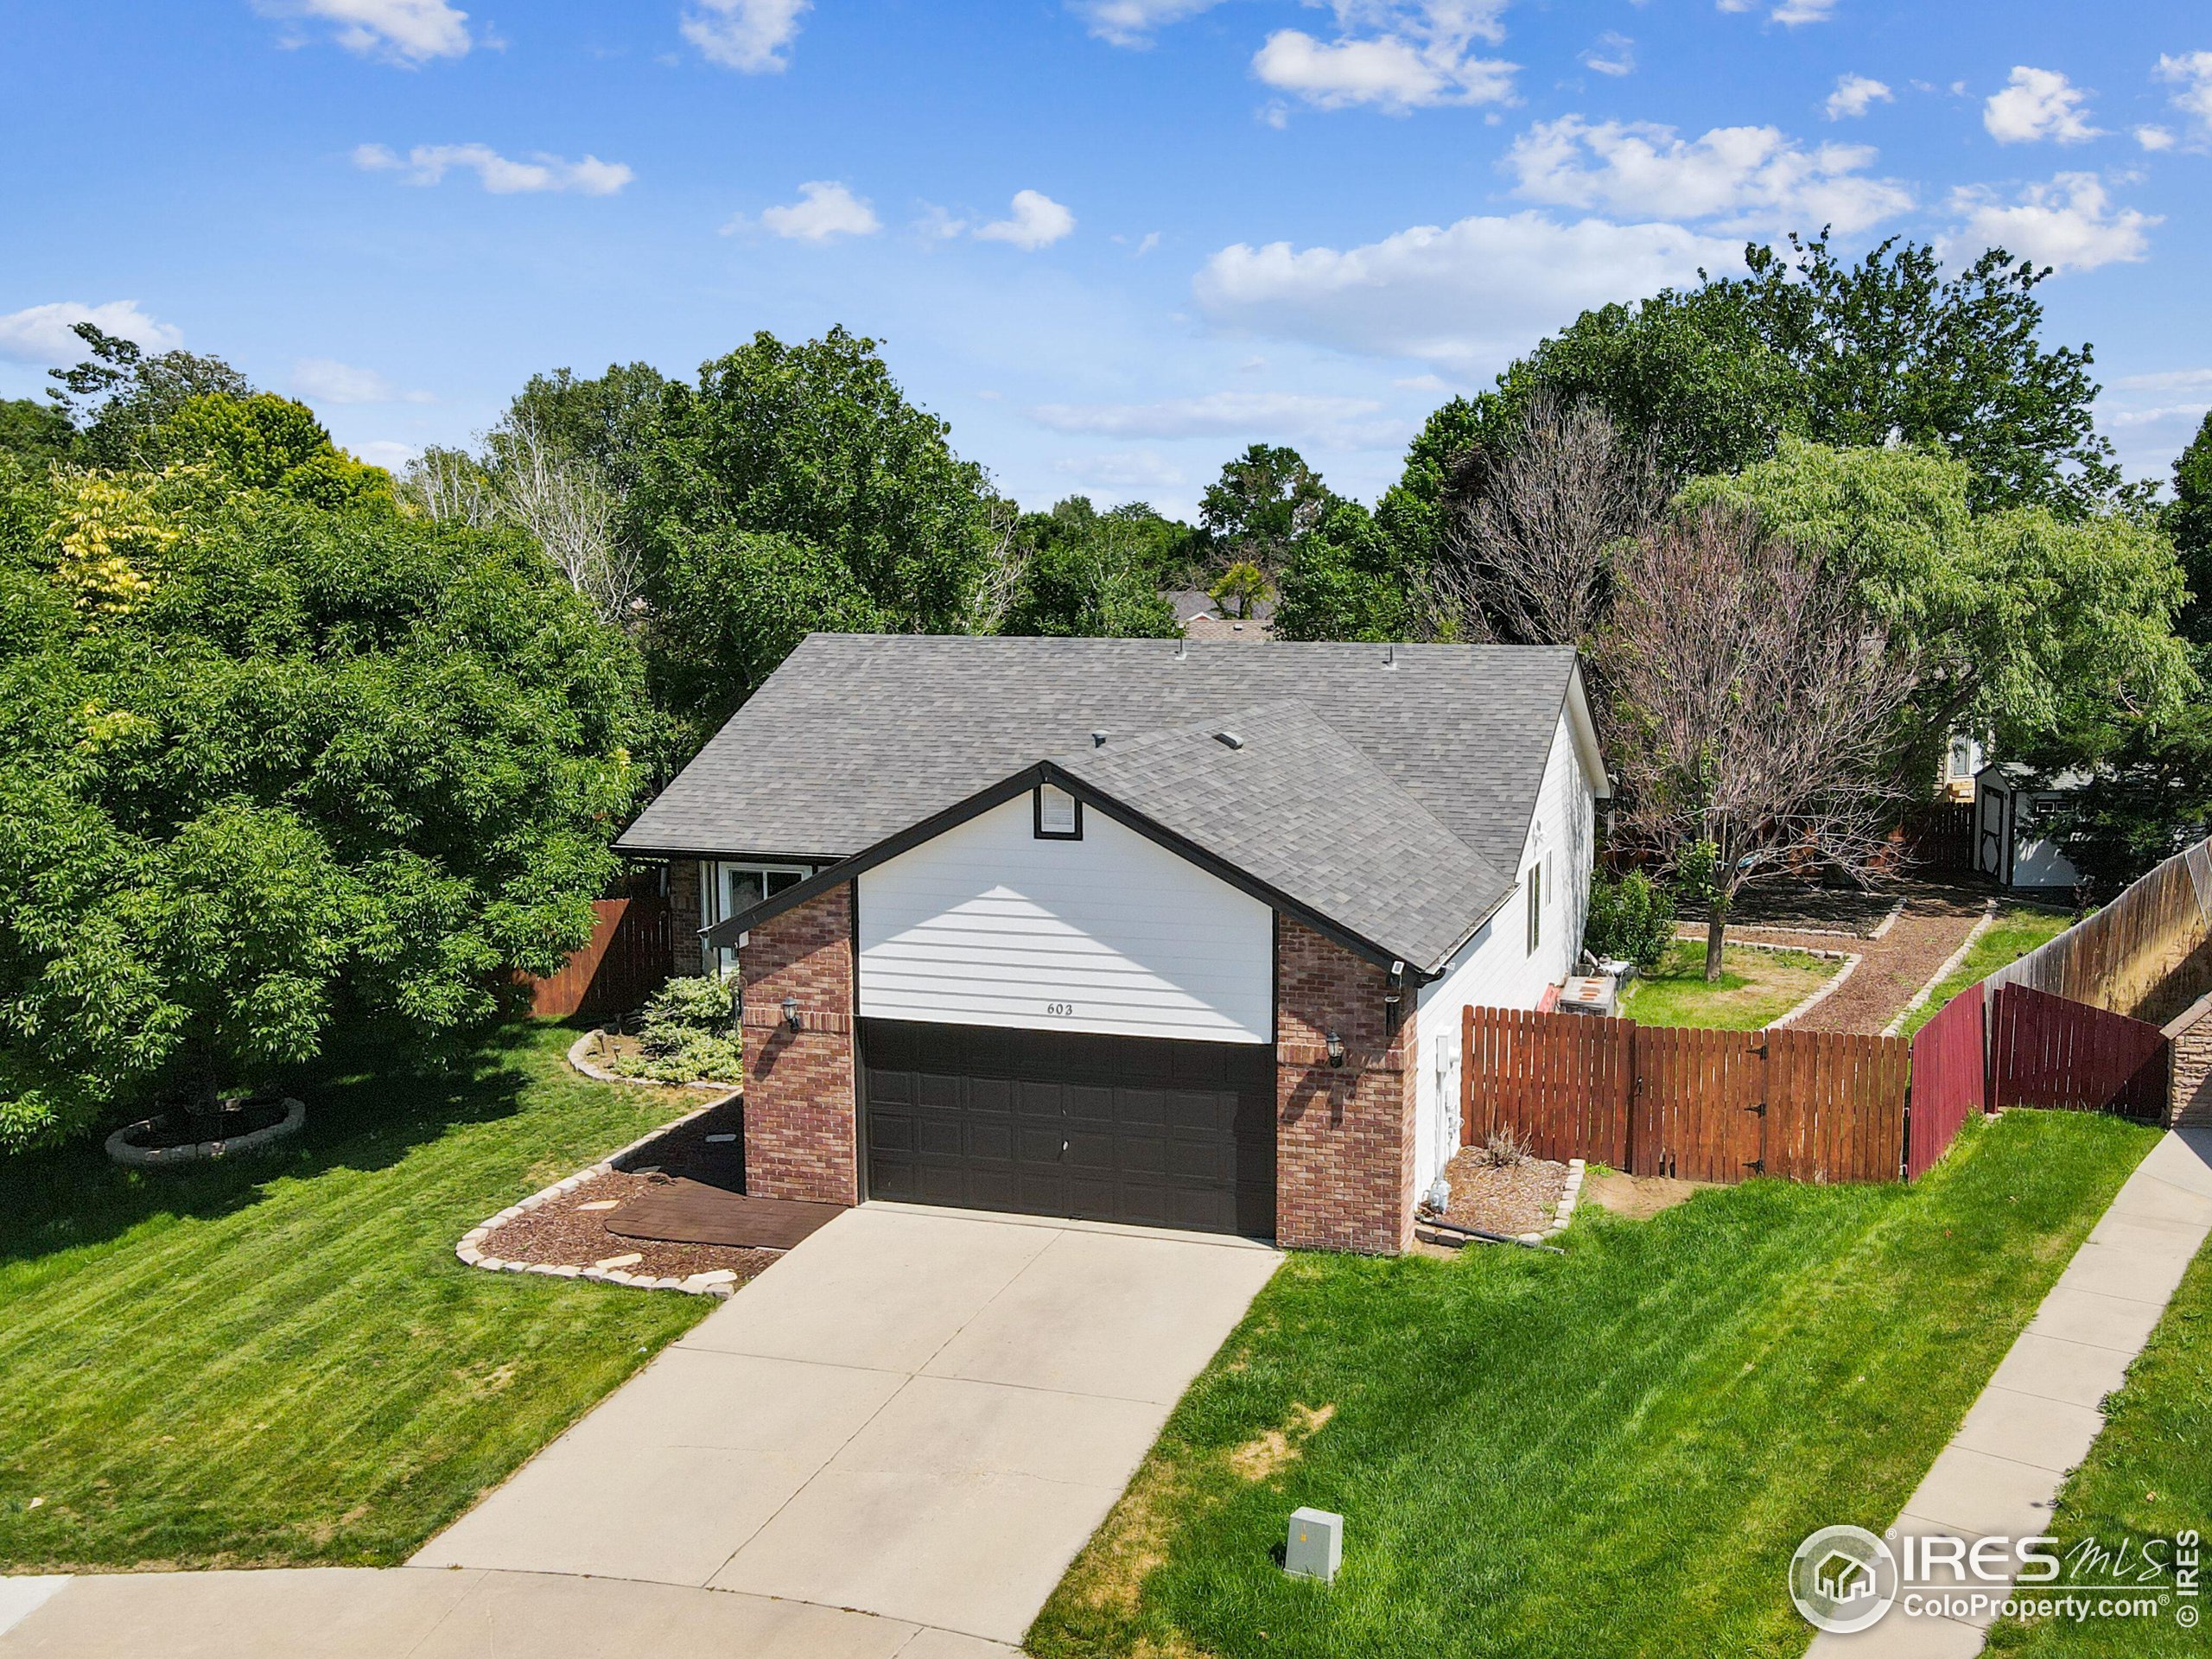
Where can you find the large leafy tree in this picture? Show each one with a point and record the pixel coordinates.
(606, 420)
(306, 766)
(1262, 506)
(2025, 623)
(2189, 521)
(1349, 579)
(120, 394)
(815, 447)
(1081, 572)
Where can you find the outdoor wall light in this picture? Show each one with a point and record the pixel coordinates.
(1336, 1049)
(791, 1011)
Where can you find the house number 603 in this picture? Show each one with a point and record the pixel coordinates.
(1059, 1008)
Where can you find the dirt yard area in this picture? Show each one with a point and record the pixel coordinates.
(1935, 921)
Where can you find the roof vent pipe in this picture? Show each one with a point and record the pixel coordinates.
(1390, 655)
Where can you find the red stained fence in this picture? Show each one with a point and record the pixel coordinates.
(2046, 1050)
(1950, 1079)
(625, 962)
(1700, 1105)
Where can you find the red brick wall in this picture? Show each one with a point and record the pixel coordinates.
(1344, 1138)
(685, 952)
(799, 1118)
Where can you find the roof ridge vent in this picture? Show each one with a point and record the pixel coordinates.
(1228, 739)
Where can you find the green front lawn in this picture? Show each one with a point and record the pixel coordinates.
(2149, 1475)
(1755, 987)
(281, 1360)
(1611, 1453)
(2018, 930)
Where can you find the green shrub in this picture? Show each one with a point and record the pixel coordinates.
(1631, 918)
(686, 1037)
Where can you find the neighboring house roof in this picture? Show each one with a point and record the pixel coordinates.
(2017, 775)
(1190, 602)
(1388, 789)
(1225, 627)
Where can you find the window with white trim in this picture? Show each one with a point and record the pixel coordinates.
(1535, 907)
(732, 889)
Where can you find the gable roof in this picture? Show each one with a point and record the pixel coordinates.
(1298, 808)
(858, 737)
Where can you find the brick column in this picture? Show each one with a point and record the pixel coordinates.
(800, 1124)
(2191, 1035)
(1344, 1137)
(686, 954)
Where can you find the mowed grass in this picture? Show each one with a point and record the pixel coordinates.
(1609, 1452)
(2149, 1475)
(1754, 987)
(2018, 930)
(279, 1360)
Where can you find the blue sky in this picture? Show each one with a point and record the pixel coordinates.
(1110, 241)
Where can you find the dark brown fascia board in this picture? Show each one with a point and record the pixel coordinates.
(724, 934)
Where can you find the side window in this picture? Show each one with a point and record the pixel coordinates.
(1535, 907)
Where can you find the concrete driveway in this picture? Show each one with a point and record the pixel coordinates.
(917, 1413)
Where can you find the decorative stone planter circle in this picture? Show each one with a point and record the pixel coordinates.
(122, 1150)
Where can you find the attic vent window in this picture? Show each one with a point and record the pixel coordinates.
(1058, 815)
(1228, 739)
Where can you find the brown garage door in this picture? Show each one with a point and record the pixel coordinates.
(1053, 1123)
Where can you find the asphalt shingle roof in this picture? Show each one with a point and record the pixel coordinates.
(1296, 806)
(859, 736)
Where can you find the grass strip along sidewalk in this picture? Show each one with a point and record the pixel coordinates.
(279, 1360)
(2149, 1475)
(1610, 1454)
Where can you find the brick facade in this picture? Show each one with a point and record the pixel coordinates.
(2191, 1034)
(799, 1112)
(1344, 1136)
(685, 918)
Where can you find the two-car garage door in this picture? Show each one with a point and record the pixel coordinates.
(1101, 1127)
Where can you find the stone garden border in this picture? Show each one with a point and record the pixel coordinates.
(1576, 1169)
(119, 1149)
(719, 1283)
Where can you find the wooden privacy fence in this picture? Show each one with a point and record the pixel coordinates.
(1701, 1105)
(625, 962)
(2046, 1051)
(2122, 957)
(1950, 1079)
(1939, 839)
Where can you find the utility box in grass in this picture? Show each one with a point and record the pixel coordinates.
(1316, 1546)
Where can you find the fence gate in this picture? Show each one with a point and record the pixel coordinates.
(1699, 1111)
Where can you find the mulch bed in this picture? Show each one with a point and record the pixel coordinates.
(564, 1234)
(1515, 1198)
(180, 1129)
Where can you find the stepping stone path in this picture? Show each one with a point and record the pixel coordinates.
(601, 1204)
(629, 1260)
(714, 1140)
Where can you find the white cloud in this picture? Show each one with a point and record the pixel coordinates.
(2039, 103)
(41, 334)
(2190, 72)
(1789, 13)
(387, 453)
(1292, 414)
(1037, 222)
(1121, 470)
(1133, 22)
(2167, 380)
(2068, 224)
(1465, 296)
(428, 164)
(1743, 177)
(1418, 55)
(326, 380)
(750, 35)
(1613, 55)
(1855, 94)
(1422, 383)
(403, 31)
(2154, 138)
(825, 210)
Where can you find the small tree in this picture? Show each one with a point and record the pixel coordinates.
(1756, 706)
(1238, 588)
(1528, 560)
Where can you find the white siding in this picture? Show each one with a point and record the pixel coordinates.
(987, 925)
(1496, 969)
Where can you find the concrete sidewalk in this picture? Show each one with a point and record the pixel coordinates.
(2036, 1421)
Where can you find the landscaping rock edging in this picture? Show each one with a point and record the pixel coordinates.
(590, 1069)
(1850, 961)
(1950, 965)
(719, 1283)
(120, 1151)
(1576, 1169)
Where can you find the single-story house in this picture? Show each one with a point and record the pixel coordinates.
(1150, 930)
(2011, 807)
